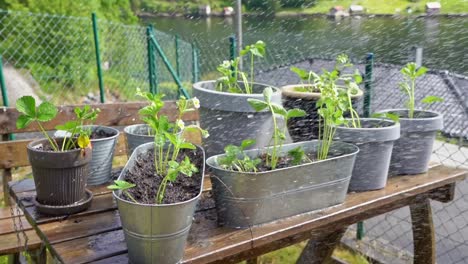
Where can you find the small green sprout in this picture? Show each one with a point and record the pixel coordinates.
(123, 186)
(236, 159)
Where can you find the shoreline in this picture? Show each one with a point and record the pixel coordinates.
(285, 14)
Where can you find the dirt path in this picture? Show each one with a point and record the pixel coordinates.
(18, 84)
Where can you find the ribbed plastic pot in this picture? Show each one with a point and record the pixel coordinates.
(246, 199)
(375, 140)
(136, 135)
(159, 232)
(412, 152)
(229, 118)
(103, 153)
(306, 127)
(60, 177)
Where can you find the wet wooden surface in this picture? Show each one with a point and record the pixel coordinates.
(95, 236)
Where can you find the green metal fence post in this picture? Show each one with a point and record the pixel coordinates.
(368, 84)
(98, 57)
(195, 69)
(232, 47)
(176, 45)
(2, 84)
(366, 113)
(166, 62)
(151, 61)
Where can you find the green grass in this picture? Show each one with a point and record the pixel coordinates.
(323, 6)
(291, 254)
(387, 6)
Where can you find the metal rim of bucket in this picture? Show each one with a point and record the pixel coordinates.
(116, 196)
(117, 132)
(212, 161)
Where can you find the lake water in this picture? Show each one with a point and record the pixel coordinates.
(445, 40)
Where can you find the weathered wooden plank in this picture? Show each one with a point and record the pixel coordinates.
(209, 243)
(92, 248)
(6, 212)
(9, 242)
(400, 191)
(7, 226)
(119, 259)
(112, 114)
(320, 250)
(423, 232)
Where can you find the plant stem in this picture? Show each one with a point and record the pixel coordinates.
(130, 196)
(251, 68)
(51, 141)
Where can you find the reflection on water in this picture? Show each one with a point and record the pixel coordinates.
(390, 38)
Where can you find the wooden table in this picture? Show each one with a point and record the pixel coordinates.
(95, 236)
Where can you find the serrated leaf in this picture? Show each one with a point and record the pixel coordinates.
(295, 113)
(247, 143)
(432, 99)
(303, 74)
(279, 110)
(187, 145)
(68, 126)
(267, 93)
(23, 121)
(256, 104)
(46, 112)
(26, 105)
(121, 185)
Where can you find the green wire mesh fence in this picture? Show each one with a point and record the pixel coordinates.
(54, 58)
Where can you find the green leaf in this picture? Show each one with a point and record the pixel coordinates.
(46, 112)
(23, 121)
(187, 145)
(68, 126)
(393, 117)
(279, 110)
(121, 185)
(257, 105)
(247, 143)
(432, 99)
(26, 105)
(421, 71)
(297, 154)
(267, 93)
(295, 113)
(303, 74)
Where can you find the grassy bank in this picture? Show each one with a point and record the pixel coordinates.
(321, 7)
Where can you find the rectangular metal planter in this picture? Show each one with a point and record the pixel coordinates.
(155, 233)
(246, 199)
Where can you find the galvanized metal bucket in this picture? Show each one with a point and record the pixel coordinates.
(230, 119)
(136, 135)
(103, 154)
(375, 141)
(246, 199)
(155, 233)
(412, 152)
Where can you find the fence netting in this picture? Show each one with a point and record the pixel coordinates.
(54, 58)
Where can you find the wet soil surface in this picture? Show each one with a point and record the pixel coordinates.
(101, 133)
(286, 161)
(143, 174)
(47, 147)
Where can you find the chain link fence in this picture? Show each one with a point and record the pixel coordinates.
(54, 58)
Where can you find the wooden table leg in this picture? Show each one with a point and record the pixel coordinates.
(423, 232)
(6, 177)
(320, 250)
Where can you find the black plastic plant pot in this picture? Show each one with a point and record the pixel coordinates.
(412, 152)
(60, 177)
(307, 127)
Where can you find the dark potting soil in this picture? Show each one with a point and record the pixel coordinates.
(48, 148)
(143, 174)
(101, 133)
